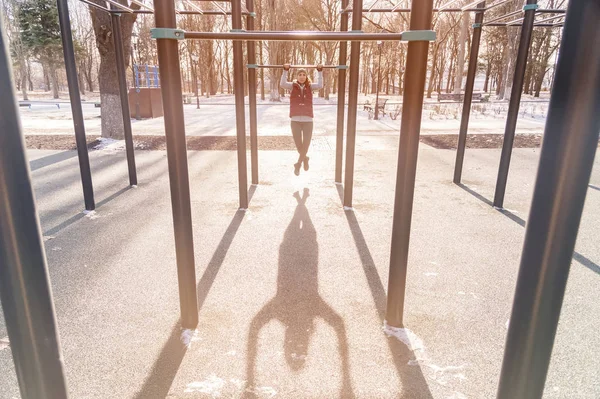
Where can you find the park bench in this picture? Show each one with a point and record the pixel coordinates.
(370, 107)
(458, 97)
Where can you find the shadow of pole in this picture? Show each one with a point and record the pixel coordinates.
(576, 255)
(414, 384)
(297, 304)
(51, 159)
(166, 365)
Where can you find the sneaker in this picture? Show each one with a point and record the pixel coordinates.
(297, 168)
(306, 163)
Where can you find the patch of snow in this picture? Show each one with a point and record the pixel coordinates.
(434, 263)
(231, 353)
(462, 293)
(91, 214)
(431, 274)
(507, 324)
(109, 144)
(57, 249)
(407, 337)
(188, 336)
(48, 238)
(212, 385)
(263, 391)
(348, 208)
(4, 343)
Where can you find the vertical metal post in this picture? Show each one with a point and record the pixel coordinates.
(168, 60)
(73, 83)
(357, 7)
(566, 161)
(24, 287)
(468, 100)
(240, 113)
(156, 79)
(515, 100)
(414, 86)
(341, 106)
(147, 77)
(252, 93)
(120, 59)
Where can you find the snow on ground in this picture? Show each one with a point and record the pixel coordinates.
(216, 117)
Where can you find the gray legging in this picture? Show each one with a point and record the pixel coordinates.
(302, 132)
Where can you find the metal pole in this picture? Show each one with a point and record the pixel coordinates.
(24, 287)
(252, 94)
(414, 85)
(168, 60)
(515, 100)
(566, 161)
(352, 105)
(379, 44)
(240, 112)
(301, 35)
(341, 108)
(120, 58)
(73, 83)
(468, 100)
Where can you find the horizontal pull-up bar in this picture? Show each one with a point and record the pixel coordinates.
(406, 10)
(297, 66)
(408, 36)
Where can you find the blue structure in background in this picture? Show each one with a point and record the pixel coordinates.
(146, 76)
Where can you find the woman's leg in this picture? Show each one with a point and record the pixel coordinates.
(297, 134)
(307, 131)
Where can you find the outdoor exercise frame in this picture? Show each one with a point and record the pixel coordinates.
(566, 160)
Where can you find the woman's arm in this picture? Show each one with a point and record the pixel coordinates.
(284, 81)
(319, 84)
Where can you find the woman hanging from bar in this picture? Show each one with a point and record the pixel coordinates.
(301, 110)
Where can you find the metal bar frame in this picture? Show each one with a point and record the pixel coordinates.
(513, 107)
(124, 97)
(356, 36)
(352, 105)
(240, 109)
(120, 6)
(414, 88)
(341, 105)
(566, 161)
(169, 64)
(294, 66)
(75, 99)
(25, 291)
(252, 96)
(468, 98)
(96, 6)
(510, 14)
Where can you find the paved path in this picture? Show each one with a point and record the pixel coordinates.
(292, 292)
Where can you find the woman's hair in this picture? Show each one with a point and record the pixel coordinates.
(302, 70)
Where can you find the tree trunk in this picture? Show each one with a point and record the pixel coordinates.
(510, 63)
(24, 80)
(46, 77)
(460, 62)
(54, 82)
(111, 115)
(432, 75)
(81, 80)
